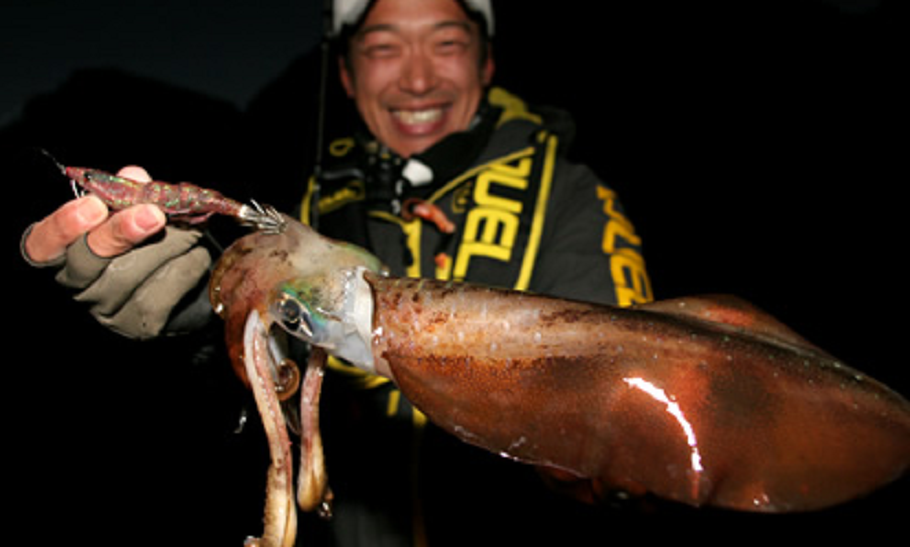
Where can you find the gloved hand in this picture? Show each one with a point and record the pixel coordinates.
(135, 293)
(131, 286)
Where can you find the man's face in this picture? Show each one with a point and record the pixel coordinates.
(415, 72)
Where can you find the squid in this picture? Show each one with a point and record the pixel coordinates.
(242, 290)
(705, 401)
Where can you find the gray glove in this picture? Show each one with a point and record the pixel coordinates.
(135, 293)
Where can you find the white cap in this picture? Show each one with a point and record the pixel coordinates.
(348, 12)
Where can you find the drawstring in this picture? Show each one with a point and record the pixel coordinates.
(388, 177)
(430, 212)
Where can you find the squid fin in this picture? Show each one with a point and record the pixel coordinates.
(732, 313)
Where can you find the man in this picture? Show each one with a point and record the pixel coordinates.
(448, 178)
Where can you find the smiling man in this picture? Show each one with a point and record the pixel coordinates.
(417, 71)
(449, 177)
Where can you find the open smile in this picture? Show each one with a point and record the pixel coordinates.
(419, 121)
(416, 117)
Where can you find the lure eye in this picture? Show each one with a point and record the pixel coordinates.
(295, 317)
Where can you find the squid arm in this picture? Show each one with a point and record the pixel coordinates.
(280, 520)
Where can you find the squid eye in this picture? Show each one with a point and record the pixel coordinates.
(289, 311)
(295, 317)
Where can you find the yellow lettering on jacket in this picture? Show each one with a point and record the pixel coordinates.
(492, 224)
(627, 267)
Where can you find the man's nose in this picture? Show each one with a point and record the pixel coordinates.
(418, 75)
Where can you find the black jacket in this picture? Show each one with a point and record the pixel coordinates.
(525, 216)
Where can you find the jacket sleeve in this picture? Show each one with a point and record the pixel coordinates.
(589, 249)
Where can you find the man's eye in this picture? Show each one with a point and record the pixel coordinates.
(450, 46)
(381, 51)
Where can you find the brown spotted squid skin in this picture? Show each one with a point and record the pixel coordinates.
(703, 401)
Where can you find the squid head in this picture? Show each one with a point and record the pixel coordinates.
(332, 313)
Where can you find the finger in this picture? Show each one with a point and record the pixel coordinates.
(126, 229)
(51, 236)
(134, 172)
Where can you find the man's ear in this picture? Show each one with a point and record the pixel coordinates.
(347, 79)
(489, 67)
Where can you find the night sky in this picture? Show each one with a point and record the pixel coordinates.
(228, 49)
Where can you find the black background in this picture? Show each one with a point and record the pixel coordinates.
(755, 145)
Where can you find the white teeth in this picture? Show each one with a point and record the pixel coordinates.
(414, 117)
